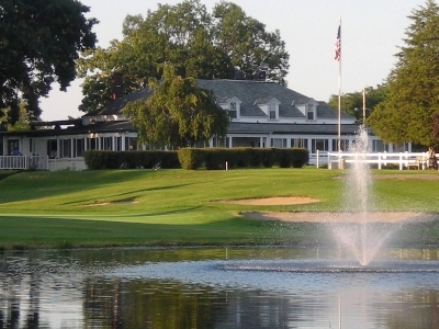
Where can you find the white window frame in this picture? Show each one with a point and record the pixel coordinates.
(310, 110)
(272, 109)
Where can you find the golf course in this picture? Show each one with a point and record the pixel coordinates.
(112, 208)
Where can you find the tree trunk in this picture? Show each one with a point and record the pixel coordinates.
(432, 160)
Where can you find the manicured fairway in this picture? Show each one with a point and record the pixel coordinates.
(169, 207)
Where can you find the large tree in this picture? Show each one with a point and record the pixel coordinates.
(39, 43)
(177, 114)
(413, 85)
(198, 44)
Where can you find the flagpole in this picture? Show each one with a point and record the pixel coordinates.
(339, 91)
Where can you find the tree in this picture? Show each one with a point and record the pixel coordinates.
(177, 114)
(352, 103)
(198, 44)
(413, 85)
(39, 43)
(22, 124)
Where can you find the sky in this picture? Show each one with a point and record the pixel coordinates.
(371, 32)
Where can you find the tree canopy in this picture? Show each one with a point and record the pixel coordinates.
(39, 43)
(413, 85)
(352, 103)
(177, 114)
(197, 43)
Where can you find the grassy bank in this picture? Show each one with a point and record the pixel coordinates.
(170, 207)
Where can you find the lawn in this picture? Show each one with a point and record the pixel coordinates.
(179, 207)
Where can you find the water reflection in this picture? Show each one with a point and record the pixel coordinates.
(145, 288)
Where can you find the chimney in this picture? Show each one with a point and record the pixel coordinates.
(116, 85)
(239, 75)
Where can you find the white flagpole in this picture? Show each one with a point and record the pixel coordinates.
(339, 93)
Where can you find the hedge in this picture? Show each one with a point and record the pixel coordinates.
(95, 159)
(216, 158)
(197, 158)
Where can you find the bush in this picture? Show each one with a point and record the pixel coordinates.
(96, 160)
(216, 158)
(196, 158)
(190, 158)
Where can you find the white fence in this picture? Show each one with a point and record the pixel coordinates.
(404, 160)
(14, 162)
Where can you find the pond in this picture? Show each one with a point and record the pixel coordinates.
(218, 288)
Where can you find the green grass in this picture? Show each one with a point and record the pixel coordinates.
(177, 207)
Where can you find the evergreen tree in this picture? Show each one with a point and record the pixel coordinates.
(413, 85)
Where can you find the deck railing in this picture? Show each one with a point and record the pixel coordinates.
(19, 162)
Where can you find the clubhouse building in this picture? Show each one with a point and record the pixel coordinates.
(262, 114)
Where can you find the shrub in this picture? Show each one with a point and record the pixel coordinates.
(190, 158)
(216, 158)
(95, 159)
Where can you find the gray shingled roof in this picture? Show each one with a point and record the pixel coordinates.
(286, 128)
(248, 91)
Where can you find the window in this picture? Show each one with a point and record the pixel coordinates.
(107, 143)
(52, 148)
(319, 144)
(344, 145)
(299, 143)
(233, 111)
(379, 146)
(78, 147)
(65, 148)
(92, 143)
(273, 114)
(130, 143)
(278, 142)
(118, 141)
(310, 112)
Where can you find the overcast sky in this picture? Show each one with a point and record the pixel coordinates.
(371, 33)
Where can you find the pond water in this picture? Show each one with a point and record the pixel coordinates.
(218, 288)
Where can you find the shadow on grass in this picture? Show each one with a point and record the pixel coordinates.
(58, 232)
(54, 232)
(129, 195)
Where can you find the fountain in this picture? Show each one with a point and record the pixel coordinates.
(355, 230)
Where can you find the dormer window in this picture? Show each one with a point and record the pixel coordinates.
(233, 111)
(310, 114)
(273, 111)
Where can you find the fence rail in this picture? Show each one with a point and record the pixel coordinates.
(404, 160)
(14, 162)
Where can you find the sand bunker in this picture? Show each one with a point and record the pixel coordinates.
(326, 217)
(323, 217)
(274, 201)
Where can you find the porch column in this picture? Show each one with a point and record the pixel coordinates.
(261, 142)
(230, 142)
(122, 144)
(72, 146)
(113, 143)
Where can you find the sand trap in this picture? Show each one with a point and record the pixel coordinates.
(274, 201)
(326, 217)
(109, 203)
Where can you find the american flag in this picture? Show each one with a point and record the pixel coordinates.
(337, 56)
